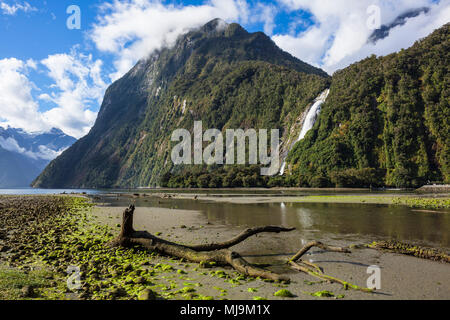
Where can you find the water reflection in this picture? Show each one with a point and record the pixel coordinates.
(336, 220)
(304, 217)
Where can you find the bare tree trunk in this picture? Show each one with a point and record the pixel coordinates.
(220, 253)
(214, 252)
(312, 269)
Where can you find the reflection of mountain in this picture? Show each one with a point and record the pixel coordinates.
(383, 32)
(24, 155)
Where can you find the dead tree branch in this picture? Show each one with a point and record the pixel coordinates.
(214, 252)
(312, 269)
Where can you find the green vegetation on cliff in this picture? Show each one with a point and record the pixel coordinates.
(385, 122)
(226, 78)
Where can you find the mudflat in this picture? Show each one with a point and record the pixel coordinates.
(41, 236)
(402, 277)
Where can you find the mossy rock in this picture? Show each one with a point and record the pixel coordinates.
(147, 294)
(284, 293)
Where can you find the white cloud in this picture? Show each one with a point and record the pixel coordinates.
(12, 9)
(265, 13)
(340, 34)
(77, 87)
(17, 106)
(134, 28)
(131, 29)
(44, 153)
(11, 144)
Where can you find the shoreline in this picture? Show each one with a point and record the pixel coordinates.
(167, 278)
(435, 201)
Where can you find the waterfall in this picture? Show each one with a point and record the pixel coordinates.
(313, 114)
(310, 120)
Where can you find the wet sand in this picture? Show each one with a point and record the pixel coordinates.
(252, 198)
(402, 277)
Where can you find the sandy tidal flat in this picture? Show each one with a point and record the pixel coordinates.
(402, 277)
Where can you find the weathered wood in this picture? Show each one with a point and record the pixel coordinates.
(312, 269)
(320, 245)
(239, 238)
(217, 253)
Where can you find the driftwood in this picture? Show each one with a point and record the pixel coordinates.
(314, 270)
(220, 253)
(215, 252)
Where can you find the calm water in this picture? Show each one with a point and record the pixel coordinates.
(31, 191)
(340, 221)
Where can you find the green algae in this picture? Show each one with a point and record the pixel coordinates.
(284, 293)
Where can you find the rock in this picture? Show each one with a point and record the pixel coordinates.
(118, 292)
(27, 292)
(147, 294)
(83, 295)
(127, 267)
(139, 280)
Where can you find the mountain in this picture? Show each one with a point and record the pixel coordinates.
(220, 74)
(385, 122)
(385, 29)
(24, 155)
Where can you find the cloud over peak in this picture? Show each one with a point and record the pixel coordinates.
(133, 29)
(341, 32)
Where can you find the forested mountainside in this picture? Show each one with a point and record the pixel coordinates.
(219, 74)
(385, 122)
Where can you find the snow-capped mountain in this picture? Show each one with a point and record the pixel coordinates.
(24, 155)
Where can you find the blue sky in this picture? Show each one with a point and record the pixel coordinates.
(51, 76)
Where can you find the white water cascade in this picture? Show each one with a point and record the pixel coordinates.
(310, 120)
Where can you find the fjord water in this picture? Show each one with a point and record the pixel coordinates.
(32, 191)
(354, 222)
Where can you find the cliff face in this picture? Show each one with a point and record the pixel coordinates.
(219, 74)
(385, 122)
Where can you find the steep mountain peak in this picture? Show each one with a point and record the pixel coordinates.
(219, 71)
(215, 25)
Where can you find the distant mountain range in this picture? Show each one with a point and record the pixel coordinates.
(24, 155)
(384, 122)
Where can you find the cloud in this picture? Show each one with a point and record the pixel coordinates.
(129, 30)
(77, 88)
(265, 13)
(44, 153)
(12, 9)
(132, 29)
(17, 106)
(340, 33)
